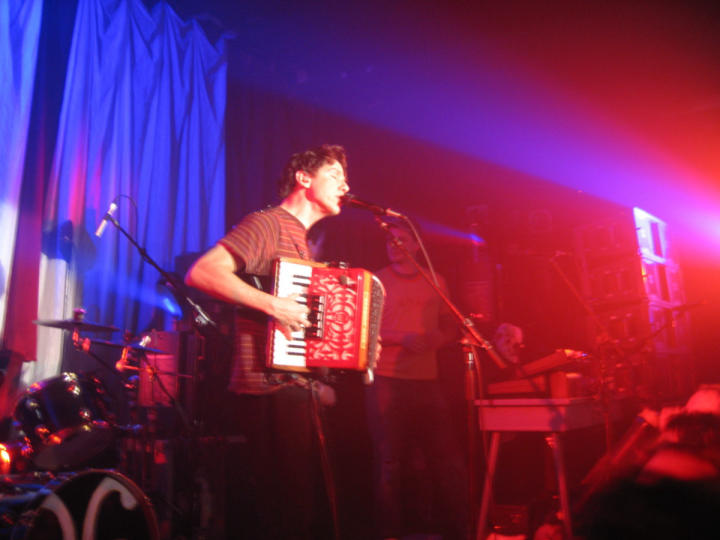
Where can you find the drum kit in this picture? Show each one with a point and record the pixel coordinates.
(49, 484)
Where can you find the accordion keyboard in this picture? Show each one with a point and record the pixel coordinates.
(295, 279)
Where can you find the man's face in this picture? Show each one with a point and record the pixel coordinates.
(396, 254)
(327, 186)
(509, 342)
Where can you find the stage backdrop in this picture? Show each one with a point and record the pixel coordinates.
(19, 33)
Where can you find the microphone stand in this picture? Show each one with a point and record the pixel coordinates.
(471, 342)
(202, 322)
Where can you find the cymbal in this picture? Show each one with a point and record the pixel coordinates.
(133, 346)
(82, 326)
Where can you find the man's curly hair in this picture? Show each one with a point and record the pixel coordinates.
(310, 161)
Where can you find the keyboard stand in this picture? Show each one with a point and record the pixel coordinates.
(552, 416)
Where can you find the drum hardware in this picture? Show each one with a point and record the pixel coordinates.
(137, 347)
(152, 371)
(77, 323)
(66, 420)
(202, 323)
(134, 359)
(97, 503)
(143, 456)
(81, 326)
(15, 457)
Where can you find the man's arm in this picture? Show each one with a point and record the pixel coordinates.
(214, 273)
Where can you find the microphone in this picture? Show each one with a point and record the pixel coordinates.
(351, 200)
(107, 217)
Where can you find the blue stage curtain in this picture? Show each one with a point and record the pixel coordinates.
(142, 117)
(19, 36)
(20, 22)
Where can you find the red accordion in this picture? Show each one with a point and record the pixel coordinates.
(345, 311)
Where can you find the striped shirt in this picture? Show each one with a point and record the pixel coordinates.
(255, 243)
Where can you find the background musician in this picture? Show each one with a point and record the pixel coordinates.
(275, 486)
(416, 448)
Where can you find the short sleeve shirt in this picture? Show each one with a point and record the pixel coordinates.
(264, 236)
(255, 243)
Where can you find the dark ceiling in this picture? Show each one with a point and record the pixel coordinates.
(651, 66)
